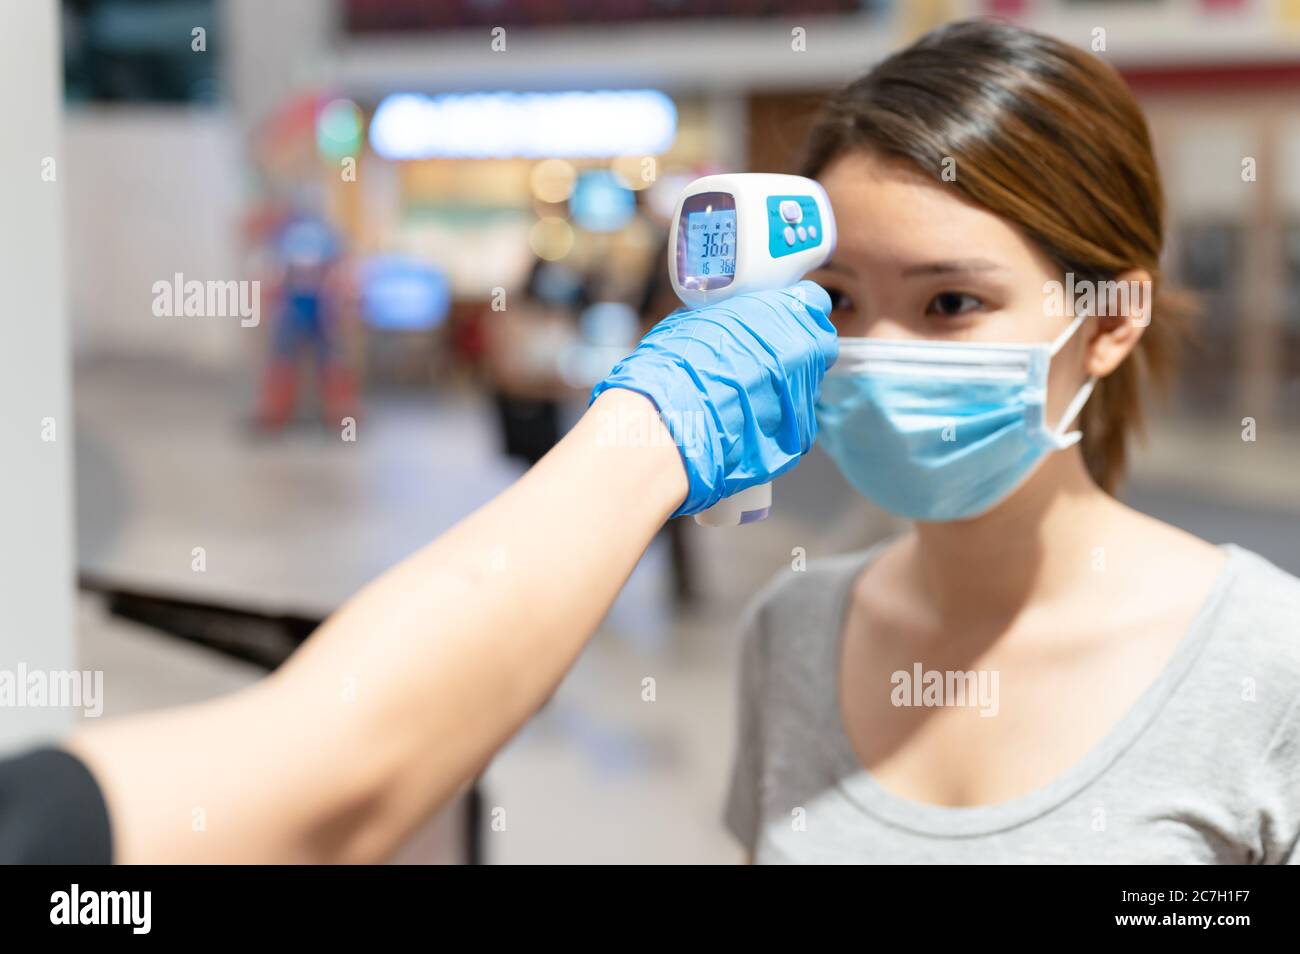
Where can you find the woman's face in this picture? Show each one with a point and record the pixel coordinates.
(915, 260)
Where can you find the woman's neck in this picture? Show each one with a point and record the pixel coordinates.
(1026, 550)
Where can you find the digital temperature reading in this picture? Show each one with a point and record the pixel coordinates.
(711, 243)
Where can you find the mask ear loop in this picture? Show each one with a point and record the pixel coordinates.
(1080, 398)
(1067, 334)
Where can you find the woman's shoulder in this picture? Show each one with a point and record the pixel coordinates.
(803, 603)
(1242, 697)
(1251, 611)
(1259, 613)
(812, 579)
(1263, 577)
(1249, 630)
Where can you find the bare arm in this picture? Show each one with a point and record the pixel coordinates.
(401, 697)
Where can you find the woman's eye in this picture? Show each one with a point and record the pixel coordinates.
(951, 304)
(840, 301)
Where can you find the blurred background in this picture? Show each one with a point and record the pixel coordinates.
(456, 212)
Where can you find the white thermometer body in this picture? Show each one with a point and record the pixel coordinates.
(746, 232)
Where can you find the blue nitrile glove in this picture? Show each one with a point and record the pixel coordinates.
(736, 383)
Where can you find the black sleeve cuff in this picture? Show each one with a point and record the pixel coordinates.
(52, 811)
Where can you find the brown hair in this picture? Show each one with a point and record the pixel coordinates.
(1049, 138)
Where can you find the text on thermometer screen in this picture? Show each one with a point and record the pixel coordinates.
(711, 242)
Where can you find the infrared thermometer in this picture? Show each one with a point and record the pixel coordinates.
(739, 233)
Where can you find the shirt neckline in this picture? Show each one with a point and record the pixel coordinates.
(858, 784)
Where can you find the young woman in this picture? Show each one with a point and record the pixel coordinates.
(1036, 672)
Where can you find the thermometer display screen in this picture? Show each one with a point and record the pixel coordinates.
(706, 241)
(711, 243)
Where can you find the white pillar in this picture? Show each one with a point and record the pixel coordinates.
(273, 50)
(36, 543)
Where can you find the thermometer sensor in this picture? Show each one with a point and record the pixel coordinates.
(739, 233)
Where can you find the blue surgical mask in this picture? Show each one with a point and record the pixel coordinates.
(941, 430)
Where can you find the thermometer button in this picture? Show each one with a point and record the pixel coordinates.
(791, 211)
(789, 235)
(812, 231)
(802, 233)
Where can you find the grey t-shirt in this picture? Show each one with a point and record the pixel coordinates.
(1204, 768)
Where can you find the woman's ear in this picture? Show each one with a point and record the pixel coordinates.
(1123, 311)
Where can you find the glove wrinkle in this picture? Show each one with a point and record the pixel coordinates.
(736, 385)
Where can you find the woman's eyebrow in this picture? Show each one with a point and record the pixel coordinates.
(951, 266)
